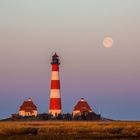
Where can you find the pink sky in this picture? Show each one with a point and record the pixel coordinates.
(30, 32)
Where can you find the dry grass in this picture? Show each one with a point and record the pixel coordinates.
(68, 130)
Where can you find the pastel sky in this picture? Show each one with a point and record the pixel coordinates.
(109, 79)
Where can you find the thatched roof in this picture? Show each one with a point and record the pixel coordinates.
(28, 106)
(82, 106)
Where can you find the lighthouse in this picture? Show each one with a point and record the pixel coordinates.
(55, 97)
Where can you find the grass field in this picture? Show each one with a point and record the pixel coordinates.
(55, 130)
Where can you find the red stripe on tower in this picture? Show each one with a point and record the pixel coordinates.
(55, 84)
(55, 98)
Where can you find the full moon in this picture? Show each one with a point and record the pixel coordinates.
(108, 42)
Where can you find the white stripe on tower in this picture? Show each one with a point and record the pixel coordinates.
(55, 75)
(55, 93)
(55, 98)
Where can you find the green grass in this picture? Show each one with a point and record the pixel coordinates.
(53, 130)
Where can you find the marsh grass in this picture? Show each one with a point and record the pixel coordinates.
(54, 130)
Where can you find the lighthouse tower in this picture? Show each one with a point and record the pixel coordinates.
(55, 98)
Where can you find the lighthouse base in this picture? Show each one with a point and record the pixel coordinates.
(55, 113)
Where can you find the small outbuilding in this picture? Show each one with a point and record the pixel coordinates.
(28, 109)
(81, 107)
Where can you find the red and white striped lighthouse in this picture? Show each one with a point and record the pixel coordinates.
(55, 98)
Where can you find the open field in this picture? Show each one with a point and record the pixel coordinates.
(55, 130)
